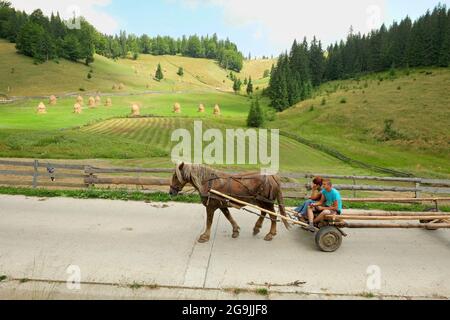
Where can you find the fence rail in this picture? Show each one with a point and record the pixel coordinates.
(45, 174)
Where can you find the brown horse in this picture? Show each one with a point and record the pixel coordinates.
(257, 189)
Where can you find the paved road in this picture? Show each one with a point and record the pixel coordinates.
(123, 243)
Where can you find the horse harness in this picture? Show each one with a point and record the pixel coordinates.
(252, 194)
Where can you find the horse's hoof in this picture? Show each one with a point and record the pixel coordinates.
(256, 231)
(235, 234)
(203, 239)
(269, 237)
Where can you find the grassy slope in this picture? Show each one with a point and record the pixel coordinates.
(63, 77)
(419, 104)
(255, 69)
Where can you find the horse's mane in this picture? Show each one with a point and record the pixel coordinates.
(196, 174)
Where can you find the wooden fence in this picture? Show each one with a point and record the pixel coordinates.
(39, 173)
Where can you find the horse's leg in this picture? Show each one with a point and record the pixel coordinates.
(236, 228)
(273, 227)
(259, 223)
(209, 220)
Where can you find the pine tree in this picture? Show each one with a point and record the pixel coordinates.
(180, 71)
(316, 62)
(71, 45)
(159, 75)
(250, 87)
(256, 116)
(237, 84)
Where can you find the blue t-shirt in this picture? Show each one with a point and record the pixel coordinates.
(331, 197)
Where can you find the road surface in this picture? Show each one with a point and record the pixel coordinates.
(149, 250)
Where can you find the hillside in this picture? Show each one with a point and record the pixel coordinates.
(21, 77)
(255, 69)
(349, 116)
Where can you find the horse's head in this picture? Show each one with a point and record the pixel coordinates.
(178, 180)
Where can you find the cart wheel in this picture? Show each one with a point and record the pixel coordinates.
(428, 228)
(328, 239)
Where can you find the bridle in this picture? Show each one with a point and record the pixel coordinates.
(175, 189)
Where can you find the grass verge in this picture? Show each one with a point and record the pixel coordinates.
(127, 195)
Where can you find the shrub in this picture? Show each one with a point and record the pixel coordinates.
(271, 114)
(324, 102)
(343, 100)
(159, 73)
(311, 109)
(256, 116)
(389, 133)
(392, 72)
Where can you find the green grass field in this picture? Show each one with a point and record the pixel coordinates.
(348, 116)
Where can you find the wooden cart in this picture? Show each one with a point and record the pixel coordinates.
(329, 234)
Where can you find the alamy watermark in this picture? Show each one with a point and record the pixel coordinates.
(73, 17)
(74, 279)
(235, 147)
(373, 278)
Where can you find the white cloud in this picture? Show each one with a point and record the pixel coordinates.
(90, 9)
(282, 21)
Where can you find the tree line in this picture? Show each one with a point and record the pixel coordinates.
(46, 38)
(424, 42)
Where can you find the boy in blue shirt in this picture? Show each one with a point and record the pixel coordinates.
(329, 204)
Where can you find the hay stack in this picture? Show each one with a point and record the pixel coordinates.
(177, 108)
(216, 110)
(98, 100)
(53, 100)
(80, 100)
(121, 86)
(114, 87)
(201, 108)
(77, 109)
(41, 109)
(91, 102)
(108, 102)
(135, 110)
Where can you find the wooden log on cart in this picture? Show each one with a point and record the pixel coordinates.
(353, 225)
(388, 218)
(398, 200)
(395, 214)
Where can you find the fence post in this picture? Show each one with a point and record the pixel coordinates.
(35, 173)
(354, 191)
(89, 176)
(417, 190)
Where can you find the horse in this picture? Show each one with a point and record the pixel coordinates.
(253, 188)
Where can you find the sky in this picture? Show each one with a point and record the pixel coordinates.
(259, 27)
